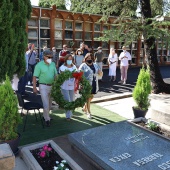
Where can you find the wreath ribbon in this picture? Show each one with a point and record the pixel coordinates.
(78, 77)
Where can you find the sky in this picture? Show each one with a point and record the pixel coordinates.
(67, 3)
(34, 2)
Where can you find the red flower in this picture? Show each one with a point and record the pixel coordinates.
(49, 149)
(42, 154)
(45, 147)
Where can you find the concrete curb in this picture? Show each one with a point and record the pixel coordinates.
(111, 97)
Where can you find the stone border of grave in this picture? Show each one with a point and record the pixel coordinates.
(142, 119)
(7, 158)
(34, 165)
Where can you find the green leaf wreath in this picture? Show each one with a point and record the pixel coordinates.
(84, 91)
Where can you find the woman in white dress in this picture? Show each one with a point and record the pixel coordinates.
(112, 61)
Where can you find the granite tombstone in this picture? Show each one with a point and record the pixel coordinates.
(123, 146)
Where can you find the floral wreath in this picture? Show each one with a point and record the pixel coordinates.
(81, 84)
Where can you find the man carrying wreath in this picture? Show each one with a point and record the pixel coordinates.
(46, 71)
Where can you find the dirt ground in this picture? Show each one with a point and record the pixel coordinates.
(157, 129)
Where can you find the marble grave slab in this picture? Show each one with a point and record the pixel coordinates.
(123, 146)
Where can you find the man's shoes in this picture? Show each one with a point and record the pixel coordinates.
(124, 82)
(110, 79)
(47, 123)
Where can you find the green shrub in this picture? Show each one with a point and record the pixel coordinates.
(9, 116)
(152, 126)
(13, 37)
(142, 89)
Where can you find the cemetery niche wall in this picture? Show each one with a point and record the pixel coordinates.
(53, 27)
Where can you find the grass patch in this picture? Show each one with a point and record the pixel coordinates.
(60, 126)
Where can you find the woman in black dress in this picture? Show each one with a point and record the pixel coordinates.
(91, 72)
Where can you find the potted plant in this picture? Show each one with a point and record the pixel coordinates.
(141, 93)
(9, 116)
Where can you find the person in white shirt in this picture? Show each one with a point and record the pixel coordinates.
(112, 61)
(67, 88)
(124, 63)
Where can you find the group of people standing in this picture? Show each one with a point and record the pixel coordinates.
(50, 64)
(124, 58)
(46, 72)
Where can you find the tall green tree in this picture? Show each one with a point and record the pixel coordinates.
(13, 36)
(47, 4)
(44, 4)
(130, 26)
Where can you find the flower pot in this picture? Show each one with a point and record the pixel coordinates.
(32, 163)
(138, 112)
(14, 143)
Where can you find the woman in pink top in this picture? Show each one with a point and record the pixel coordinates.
(124, 63)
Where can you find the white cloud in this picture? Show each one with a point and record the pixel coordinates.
(34, 2)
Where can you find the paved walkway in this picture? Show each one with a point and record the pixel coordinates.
(114, 88)
(123, 107)
(20, 164)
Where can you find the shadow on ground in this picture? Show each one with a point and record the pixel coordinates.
(60, 126)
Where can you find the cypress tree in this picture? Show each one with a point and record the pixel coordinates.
(21, 12)
(13, 36)
(6, 38)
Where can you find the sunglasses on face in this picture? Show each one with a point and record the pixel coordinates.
(49, 56)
